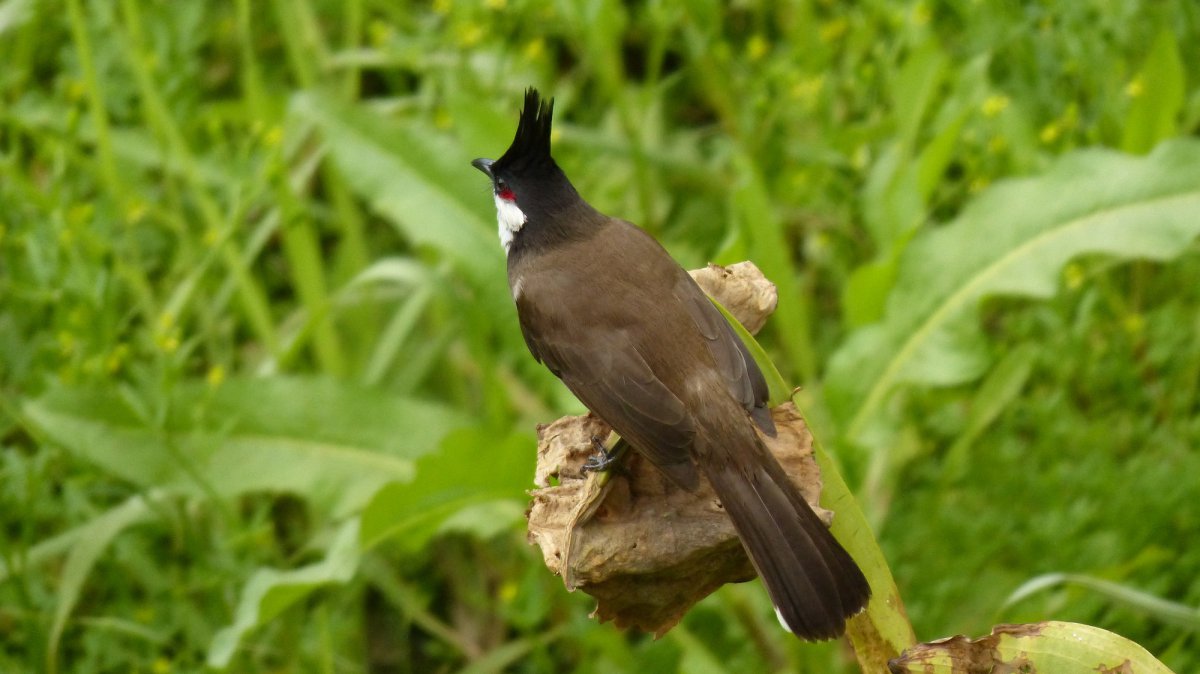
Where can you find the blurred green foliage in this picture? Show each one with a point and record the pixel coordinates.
(264, 403)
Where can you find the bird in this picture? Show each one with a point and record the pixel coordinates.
(611, 314)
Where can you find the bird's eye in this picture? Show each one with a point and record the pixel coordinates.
(503, 191)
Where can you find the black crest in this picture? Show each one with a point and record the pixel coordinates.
(530, 148)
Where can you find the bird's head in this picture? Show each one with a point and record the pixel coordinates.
(526, 183)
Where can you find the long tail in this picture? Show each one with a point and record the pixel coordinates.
(812, 581)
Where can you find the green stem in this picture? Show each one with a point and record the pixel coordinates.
(883, 630)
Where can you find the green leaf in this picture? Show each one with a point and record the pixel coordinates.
(1158, 93)
(696, 656)
(270, 591)
(1059, 647)
(472, 467)
(418, 179)
(417, 286)
(1006, 380)
(505, 657)
(936, 156)
(893, 205)
(865, 293)
(1013, 240)
(14, 14)
(92, 540)
(333, 443)
(913, 89)
(893, 199)
(768, 248)
(1187, 617)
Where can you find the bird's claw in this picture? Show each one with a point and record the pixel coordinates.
(601, 461)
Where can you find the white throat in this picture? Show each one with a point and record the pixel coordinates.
(511, 218)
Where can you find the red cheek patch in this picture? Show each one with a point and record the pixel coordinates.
(506, 194)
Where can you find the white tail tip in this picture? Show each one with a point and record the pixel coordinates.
(783, 622)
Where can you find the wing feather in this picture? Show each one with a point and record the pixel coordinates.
(614, 381)
(743, 378)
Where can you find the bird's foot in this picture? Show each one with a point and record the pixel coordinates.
(602, 460)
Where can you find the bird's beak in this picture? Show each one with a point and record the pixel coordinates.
(484, 165)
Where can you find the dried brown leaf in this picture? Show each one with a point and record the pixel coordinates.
(742, 289)
(645, 548)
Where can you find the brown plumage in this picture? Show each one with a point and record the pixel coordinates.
(629, 332)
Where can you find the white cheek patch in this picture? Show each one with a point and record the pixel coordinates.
(511, 218)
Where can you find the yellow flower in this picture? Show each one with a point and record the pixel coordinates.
(216, 375)
(1136, 87)
(80, 213)
(833, 30)
(135, 210)
(995, 104)
(1050, 133)
(757, 47)
(1073, 276)
(921, 14)
(66, 343)
(117, 358)
(860, 157)
(76, 90)
(1134, 324)
(808, 89)
(470, 35)
(535, 49)
(818, 246)
(380, 32)
(167, 343)
(166, 336)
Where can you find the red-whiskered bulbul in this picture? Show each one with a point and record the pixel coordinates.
(629, 332)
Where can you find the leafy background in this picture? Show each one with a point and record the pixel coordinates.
(265, 406)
